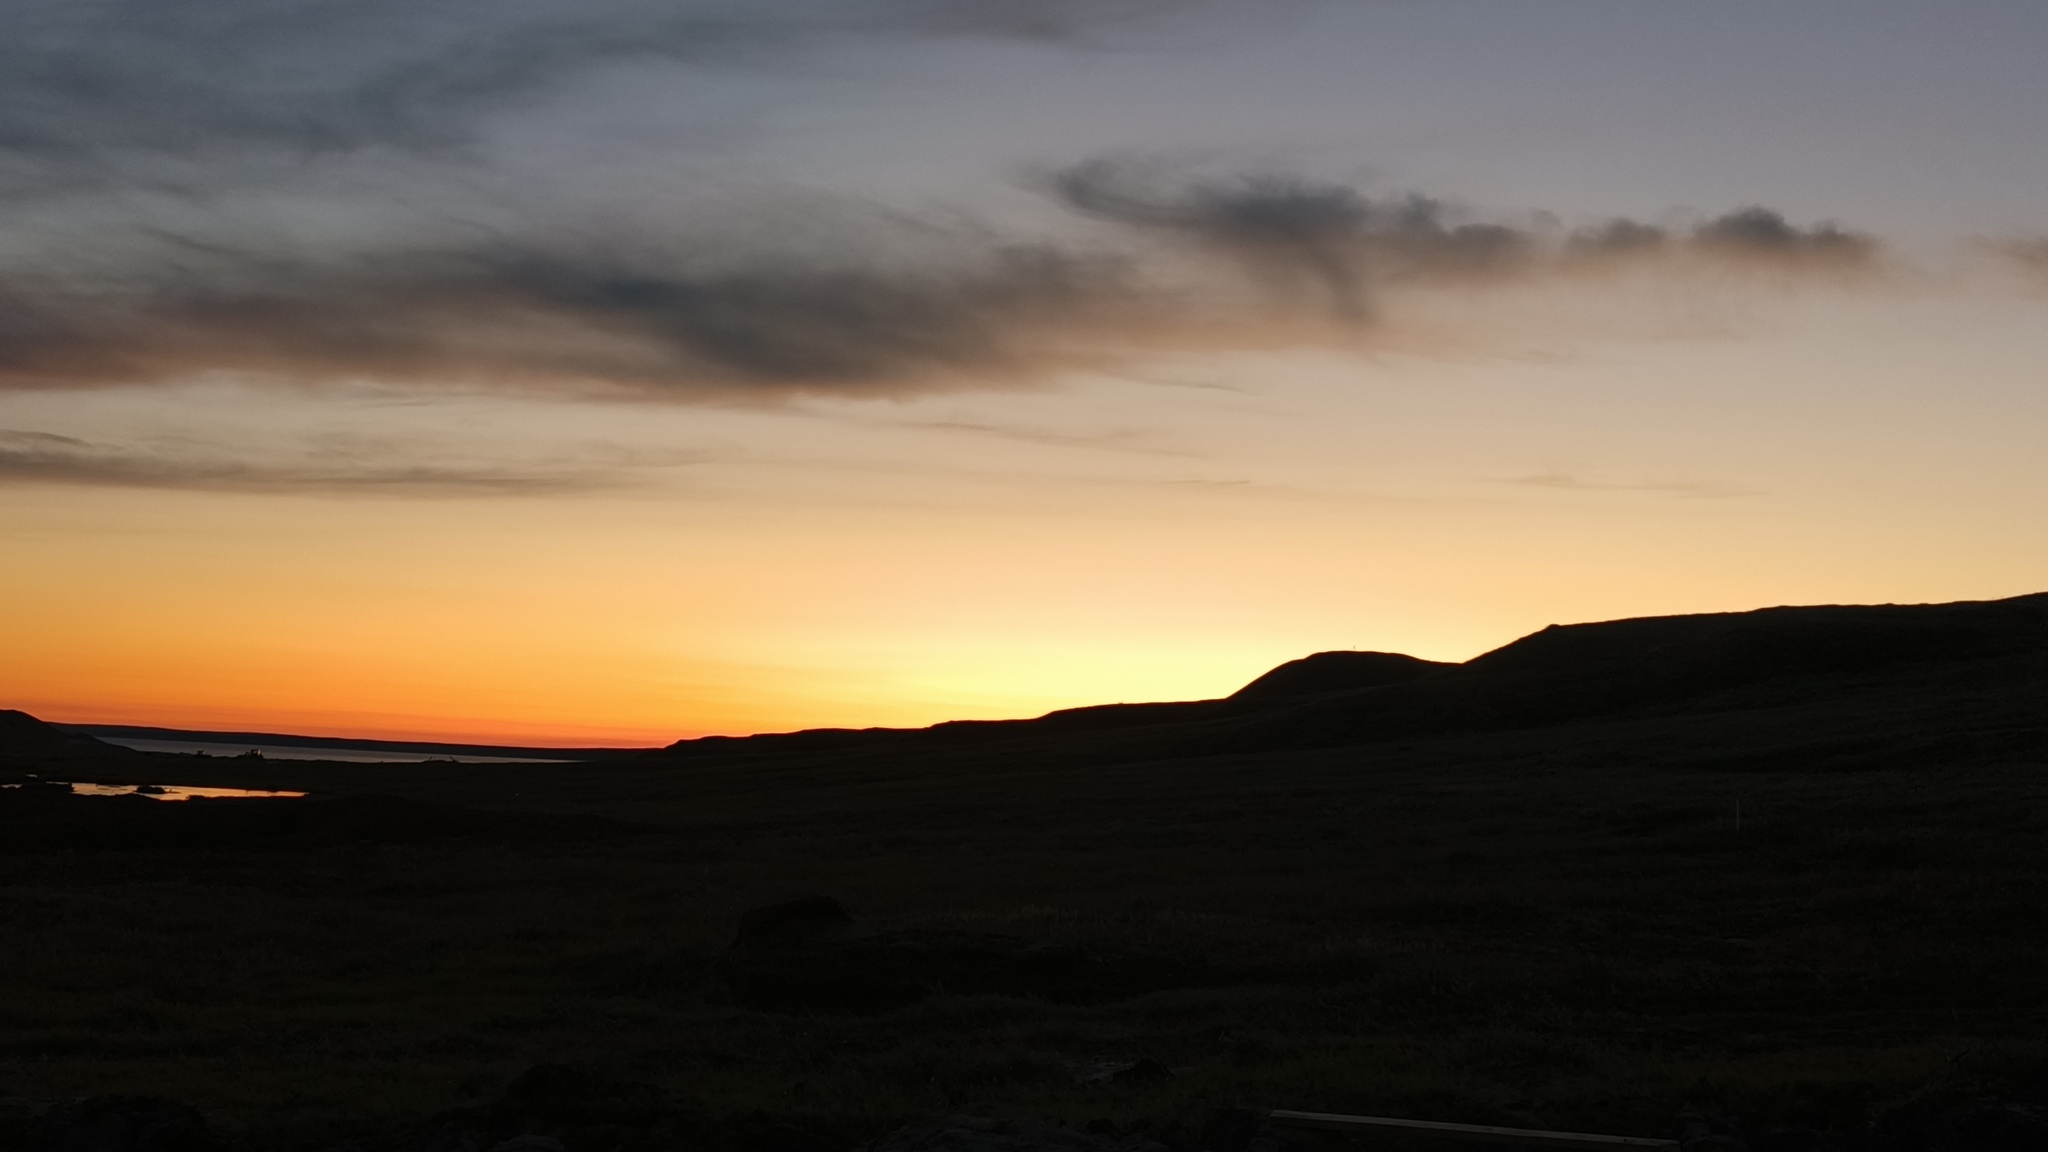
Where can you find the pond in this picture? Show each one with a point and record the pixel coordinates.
(164, 791)
(317, 752)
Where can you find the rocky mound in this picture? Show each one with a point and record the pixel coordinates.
(102, 1124)
(25, 739)
(553, 1108)
(981, 1134)
(1327, 672)
(811, 955)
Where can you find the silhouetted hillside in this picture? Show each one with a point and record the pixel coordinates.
(25, 739)
(1560, 674)
(341, 743)
(1327, 672)
(1579, 671)
(1776, 871)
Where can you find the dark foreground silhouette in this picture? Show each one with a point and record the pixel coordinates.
(810, 954)
(553, 1108)
(1558, 675)
(25, 739)
(1771, 881)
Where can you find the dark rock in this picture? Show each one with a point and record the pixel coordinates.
(559, 1092)
(1961, 1122)
(553, 1108)
(1142, 1072)
(762, 1133)
(812, 922)
(810, 955)
(800, 956)
(1232, 1129)
(530, 1144)
(102, 1124)
(1288, 1138)
(1137, 1071)
(1791, 1140)
(1705, 1132)
(978, 1134)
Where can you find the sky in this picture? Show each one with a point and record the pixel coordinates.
(614, 371)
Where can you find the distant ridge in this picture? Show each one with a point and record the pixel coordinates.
(1560, 674)
(25, 738)
(285, 740)
(1577, 671)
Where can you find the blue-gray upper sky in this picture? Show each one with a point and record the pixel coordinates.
(1912, 114)
(872, 195)
(668, 365)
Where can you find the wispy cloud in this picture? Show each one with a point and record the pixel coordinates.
(43, 458)
(1681, 489)
(902, 308)
(157, 92)
(568, 315)
(2028, 254)
(185, 206)
(1109, 439)
(1351, 247)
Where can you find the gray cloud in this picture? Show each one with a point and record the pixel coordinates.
(220, 186)
(1328, 233)
(164, 93)
(1761, 233)
(573, 314)
(43, 458)
(898, 308)
(1349, 245)
(204, 187)
(1128, 440)
(102, 92)
(2028, 254)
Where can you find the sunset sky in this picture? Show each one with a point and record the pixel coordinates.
(610, 371)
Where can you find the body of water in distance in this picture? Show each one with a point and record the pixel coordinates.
(303, 752)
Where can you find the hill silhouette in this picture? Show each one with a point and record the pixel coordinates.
(1560, 674)
(1326, 672)
(25, 739)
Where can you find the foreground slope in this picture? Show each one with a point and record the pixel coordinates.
(1784, 865)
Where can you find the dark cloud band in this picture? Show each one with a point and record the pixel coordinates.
(561, 317)
(1350, 245)
(142, 140)
(39, 458)
(159, 93)
(652, 316)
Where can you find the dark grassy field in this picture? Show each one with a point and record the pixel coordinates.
(1794, 894)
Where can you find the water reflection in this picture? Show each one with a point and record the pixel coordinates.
(319, 752)
(159, 791)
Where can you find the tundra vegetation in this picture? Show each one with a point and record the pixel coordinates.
(1785, 867)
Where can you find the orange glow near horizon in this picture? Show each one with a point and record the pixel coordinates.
(911, 562)
(883, 364)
